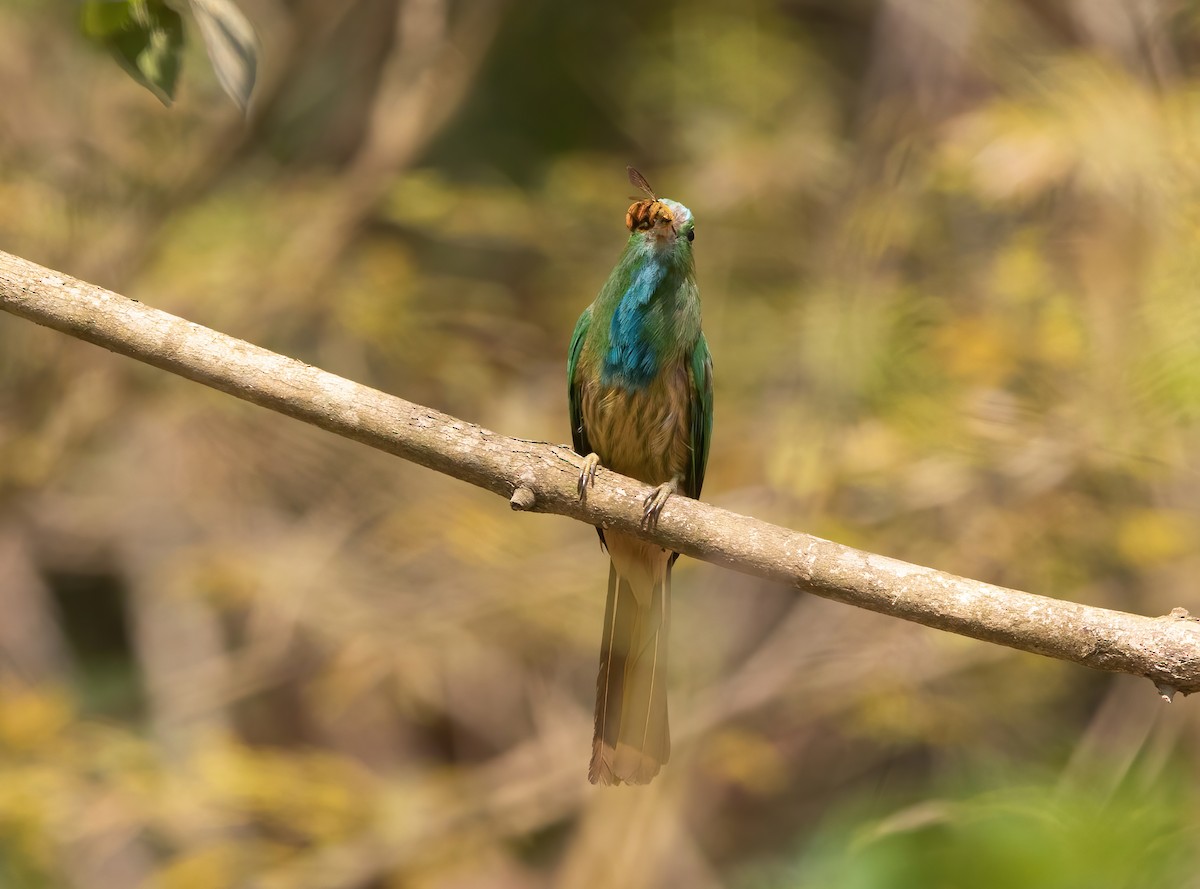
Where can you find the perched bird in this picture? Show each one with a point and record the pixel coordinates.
(640, 392)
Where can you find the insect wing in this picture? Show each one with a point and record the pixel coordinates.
(637, 180)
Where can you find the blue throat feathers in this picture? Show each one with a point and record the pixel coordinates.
(631, 362)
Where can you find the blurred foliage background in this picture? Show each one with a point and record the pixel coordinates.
(948, 252)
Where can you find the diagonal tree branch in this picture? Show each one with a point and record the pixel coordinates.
(542, 477)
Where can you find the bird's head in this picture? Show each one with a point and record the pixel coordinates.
(663, 222)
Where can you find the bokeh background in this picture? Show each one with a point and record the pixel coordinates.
(948, 252)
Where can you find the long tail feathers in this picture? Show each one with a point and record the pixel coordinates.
(632, 740)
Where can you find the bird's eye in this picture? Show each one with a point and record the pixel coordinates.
(691, 234)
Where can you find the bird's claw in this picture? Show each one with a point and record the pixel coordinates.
(652, 506)
(587, 474)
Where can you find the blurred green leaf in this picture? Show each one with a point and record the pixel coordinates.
(232, 46)
(145, 37)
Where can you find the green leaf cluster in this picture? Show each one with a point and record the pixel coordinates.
(146, 37)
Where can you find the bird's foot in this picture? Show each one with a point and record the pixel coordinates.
(587, 474)
(653, 505)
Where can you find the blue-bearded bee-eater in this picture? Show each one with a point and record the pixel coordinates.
(640, 392)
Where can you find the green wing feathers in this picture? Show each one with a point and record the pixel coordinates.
(579, 439)
(702, 417)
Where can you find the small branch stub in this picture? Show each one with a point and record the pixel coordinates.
(522, 499)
